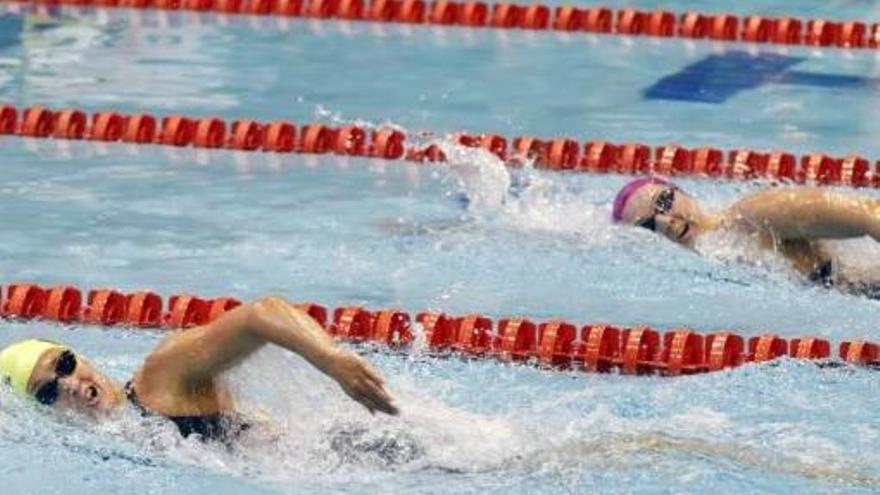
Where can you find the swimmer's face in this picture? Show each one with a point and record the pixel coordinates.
(84, 389)
(665, 209)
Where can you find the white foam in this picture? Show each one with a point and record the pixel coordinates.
(525, 198)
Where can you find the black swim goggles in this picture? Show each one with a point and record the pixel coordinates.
(662, 204)
(47, 394)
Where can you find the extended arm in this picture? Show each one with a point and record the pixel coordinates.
(198, 355)
(811, 213)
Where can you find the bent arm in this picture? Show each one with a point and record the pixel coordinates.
(198, 355)
(810, 213)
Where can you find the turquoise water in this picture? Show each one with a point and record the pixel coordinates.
(463, 237)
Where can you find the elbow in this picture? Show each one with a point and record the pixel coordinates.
(269, 302)
(262, 309)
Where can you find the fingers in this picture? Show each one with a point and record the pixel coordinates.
(379, 393)
(383, 395)
(384, 402)
(365, 385)
(378, 399)
(376, 389)
(370, 372)
(367, 403)
(373, 375)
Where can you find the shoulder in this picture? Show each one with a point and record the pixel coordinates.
(162, 385)
(162, 371)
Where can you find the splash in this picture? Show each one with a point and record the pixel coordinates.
(524, 198)
(304, 427)
(312, 434)
(735, 247)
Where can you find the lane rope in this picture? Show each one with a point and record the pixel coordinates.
(690, 25)
(557, 154)
(553, 344)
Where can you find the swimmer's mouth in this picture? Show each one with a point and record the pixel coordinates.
(92, 395)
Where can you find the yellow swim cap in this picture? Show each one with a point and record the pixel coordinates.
(17, 362)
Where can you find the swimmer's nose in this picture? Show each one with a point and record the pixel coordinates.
(71, 387)
(664, 221)
(670, 225)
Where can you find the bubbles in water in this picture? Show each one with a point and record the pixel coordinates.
(732, 246)
(524, 198)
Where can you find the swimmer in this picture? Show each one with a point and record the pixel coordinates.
(792, 221)
(179, 379)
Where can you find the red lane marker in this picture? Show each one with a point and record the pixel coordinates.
(823, 33)
(557, 154)
(556, 344)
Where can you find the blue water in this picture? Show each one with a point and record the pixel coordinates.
(399, 235)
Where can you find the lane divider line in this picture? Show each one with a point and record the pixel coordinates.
(691, 25)
(559, 154)
(552, 344)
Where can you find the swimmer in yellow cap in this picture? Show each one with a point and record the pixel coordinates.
(792, 221)
(179, 379)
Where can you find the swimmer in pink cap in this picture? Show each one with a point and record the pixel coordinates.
(660, 206)
(792, 221)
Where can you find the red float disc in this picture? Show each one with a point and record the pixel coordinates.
(724, 350)
(568, 18)
(139, 128)
(562, 154)
(556, 343)
(443, 12)
(8, 119)
(473, 14)
(177, 131)
(661, 23)
(598, 20)
(37, 122)
(517, 339)
(708, 162)
(70, 124)
(412, 11)
(506, 15)
(104, 307)
(352, 323)
(387, 144)
(143, 309)
(693, 25)
(602, 347)
(631, 21)
(350, 140)
(633, 158)
(247, 135)
(185, 311)
(392, 327)
(767, 348)
(106, 126)
(210, 133)
(280, 137)
(24, 301)
(63, 304)
(789, 31)
(535, 17)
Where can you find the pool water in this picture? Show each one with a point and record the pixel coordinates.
(468, 236)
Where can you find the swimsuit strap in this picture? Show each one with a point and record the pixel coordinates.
(132, 397)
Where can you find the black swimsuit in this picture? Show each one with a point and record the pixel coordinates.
(823, 274)
(222, 427)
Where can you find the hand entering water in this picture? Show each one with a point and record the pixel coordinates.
(362, 383)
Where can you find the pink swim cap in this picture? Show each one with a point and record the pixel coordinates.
(628, 190)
